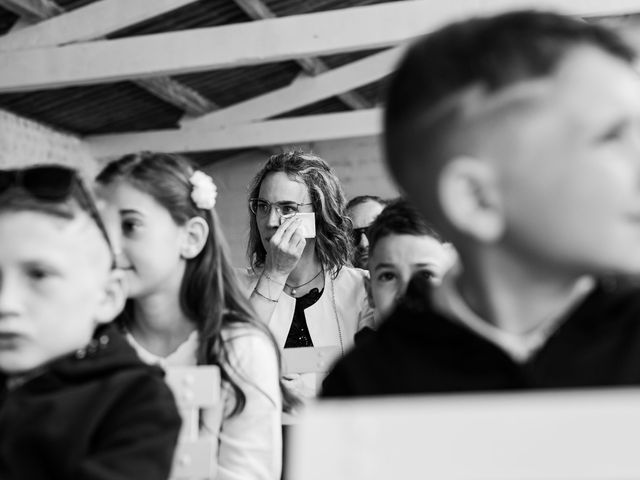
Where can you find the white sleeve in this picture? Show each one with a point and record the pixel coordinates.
(250, 442)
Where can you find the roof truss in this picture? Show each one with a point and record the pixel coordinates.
(49, 58)
(257, 10)
(96, 20)
(255, 43)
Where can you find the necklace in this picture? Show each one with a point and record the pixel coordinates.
(295, 288)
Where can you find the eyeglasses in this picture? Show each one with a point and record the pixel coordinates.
(55, 183)
(356, 234)
(262, 208)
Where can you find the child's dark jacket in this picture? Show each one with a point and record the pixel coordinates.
(418, 350)
(97, 414)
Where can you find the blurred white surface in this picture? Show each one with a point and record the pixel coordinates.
(555, 435)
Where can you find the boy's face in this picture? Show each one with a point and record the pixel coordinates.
(569, 176)
(54, 283)
(395, 259)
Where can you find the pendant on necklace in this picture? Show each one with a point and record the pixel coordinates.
(293, 292)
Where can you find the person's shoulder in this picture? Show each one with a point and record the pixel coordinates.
(613, 300)
(245, 339)
(616, 294)
(350, 279)
(362, 371)
(371, 366)
(353, 273)
(125, 374)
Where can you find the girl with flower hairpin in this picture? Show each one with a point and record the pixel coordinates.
(185, 306)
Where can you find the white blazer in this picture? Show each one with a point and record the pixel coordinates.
(341, 310)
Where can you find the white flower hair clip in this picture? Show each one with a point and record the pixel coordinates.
(204, 191)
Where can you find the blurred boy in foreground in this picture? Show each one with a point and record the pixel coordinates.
(518, 137)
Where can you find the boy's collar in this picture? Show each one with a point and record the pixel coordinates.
(520, 347)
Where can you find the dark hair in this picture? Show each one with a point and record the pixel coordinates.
(210, 293)
(17, 199)
(59, 191)
(360, 199)
(399, 218)
(424, 102)
(333, 227)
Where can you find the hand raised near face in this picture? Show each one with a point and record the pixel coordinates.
(285, 249)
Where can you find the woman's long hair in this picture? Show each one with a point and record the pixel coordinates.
(210, 294)
(333, 226)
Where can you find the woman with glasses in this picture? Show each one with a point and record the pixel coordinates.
(300, 283)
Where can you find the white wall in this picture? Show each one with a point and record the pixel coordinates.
(24, 142)
(356, 161)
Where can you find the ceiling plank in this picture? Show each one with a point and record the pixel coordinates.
(358, 123)
(86, 23)
(101, 18)
(257, 10)
(303, 91)
(257, 42)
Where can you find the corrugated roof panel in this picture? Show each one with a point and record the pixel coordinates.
(7, 19)
(118, 107)
(204, 13)
(73, 4)
(283, 8)
(335, 61)
(330, 105)
(229, 86)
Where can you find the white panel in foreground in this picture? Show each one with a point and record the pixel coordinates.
(515, 436)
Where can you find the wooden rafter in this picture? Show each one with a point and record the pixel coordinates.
(178, 94)
(257, 42)
(293, 130)
(257, 10)
(304, 91)
(96, 20)
(92, 21)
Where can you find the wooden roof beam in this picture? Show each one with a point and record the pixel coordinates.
(258, 42)
(294, 130)
(257, 10)
(56, 27)
(303, 91)
(96, 20)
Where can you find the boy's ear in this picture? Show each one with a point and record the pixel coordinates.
(196, 232)
(114, 297)
(470, 198)
(367, 287)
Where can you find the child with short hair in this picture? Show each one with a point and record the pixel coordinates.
(517, 136)
(401, 245)
(75, 400)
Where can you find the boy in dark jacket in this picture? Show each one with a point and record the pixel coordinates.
(75, 400)
(518, 138)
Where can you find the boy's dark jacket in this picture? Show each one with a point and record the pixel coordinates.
(418, 350)
(99, 413)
